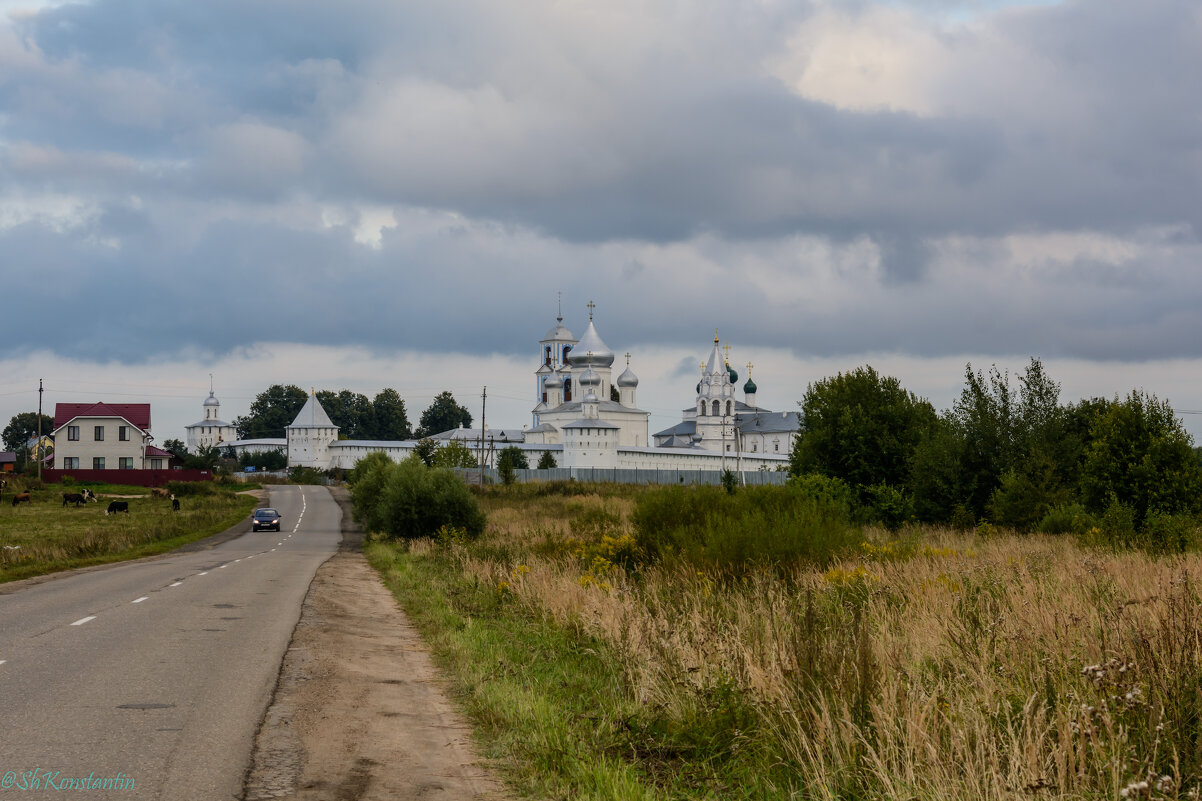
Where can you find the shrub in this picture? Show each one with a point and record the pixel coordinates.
(1167, 533)
(409, 500)
(67, 481)
(887, 505)
(547, 461)
(830, 490)
(1066, 519)
(306, 475)
(707, 526)
(185, 488)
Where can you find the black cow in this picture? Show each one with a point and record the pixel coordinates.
(117, 506)
(174, 504)
(75, 498)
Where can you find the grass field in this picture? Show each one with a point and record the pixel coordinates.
(926, 664)
(44, 536)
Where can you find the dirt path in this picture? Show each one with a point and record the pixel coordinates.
(358, 712)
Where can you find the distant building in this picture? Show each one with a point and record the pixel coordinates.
(8, 461)
(586, 419)
(211, 431)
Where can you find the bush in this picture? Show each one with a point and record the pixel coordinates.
(306, 475)
(887, 505)
(1167, 533)
(834, 491)
(707, 526)
(1066, 519)
(409, 500)
(547, 461)
(67, 481)
(185, 488)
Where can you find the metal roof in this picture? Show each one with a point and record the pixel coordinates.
(312, 415)
(136, 413)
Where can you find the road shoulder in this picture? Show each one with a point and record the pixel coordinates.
(359, 711)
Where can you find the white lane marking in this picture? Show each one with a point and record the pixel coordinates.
(203, 574)
(176, 584)
(2, 661)
(83, 620)
(273, 549)
(140, 600)
(237, 560)
(222, 567)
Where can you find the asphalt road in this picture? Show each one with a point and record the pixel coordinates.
(157, 670)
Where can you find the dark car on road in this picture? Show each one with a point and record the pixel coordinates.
(265, 518)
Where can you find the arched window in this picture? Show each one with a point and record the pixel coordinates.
(717, 410)
(547, 355)
(701, 408)
(730, 407)
(567, 390)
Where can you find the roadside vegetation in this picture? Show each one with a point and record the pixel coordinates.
(998, 602)
(44, 536)
(600, 658)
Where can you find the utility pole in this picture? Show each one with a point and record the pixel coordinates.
(38, 445)
(483, 406)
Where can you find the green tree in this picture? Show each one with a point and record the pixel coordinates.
(984, 418)
(454, 453)
(390, 421)
(205, 458)
(861, 427)
(176, 448)
(352, 412)
(547, 461)
(443, 414)
(1141, 456)
(264, 460)
(510, 459)
(271, 412)
(22, 428)
(425, 449)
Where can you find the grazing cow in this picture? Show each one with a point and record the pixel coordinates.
(158, 492)
(22, 497)
(88, 495)
(174, 504)
(75, 498)
(3, 483)
(117, 506)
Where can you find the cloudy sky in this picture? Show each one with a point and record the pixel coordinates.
(372, 193)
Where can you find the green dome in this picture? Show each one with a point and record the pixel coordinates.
(734, 377)
(698, 387)
(749, 387)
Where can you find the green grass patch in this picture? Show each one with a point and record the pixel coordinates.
(553, 705)
(45, 536)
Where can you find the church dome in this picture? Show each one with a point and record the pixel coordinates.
(591, 343)
(559, 333)
(211, 400)
(749, 387)
(734, 376)
(590, 378)
(553, 382)
(628, 378)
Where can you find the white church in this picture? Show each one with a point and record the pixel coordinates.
(583, 417)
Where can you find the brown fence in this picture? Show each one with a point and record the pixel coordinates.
(137, 478)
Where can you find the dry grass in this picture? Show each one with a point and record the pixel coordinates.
(936, 666)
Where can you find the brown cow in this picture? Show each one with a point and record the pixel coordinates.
(22, 497)
(158, 492)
